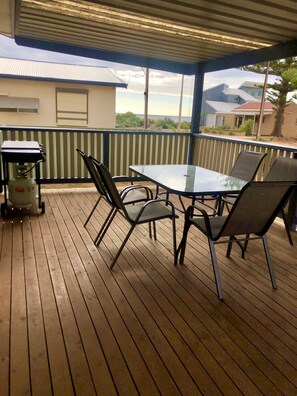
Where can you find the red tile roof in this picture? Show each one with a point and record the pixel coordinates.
(254, 106)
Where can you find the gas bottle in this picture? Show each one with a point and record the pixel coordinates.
(22, 189)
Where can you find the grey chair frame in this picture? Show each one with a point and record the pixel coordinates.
(148, 212)
(253, 213)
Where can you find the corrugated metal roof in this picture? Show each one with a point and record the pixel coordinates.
(19, 68)
(10, 102)
(221, 107)
(241, 93)
(178, 31)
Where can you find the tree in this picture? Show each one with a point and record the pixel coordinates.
(285, 70)
(129, 120)
(166, 123)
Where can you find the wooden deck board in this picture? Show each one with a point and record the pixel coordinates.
(69, 325)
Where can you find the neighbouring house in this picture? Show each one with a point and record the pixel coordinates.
(252, 88)
(220, 97)
(251, 110)
(34, 93)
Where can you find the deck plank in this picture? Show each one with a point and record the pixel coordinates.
(69, 325)
(5, 301)
(19, 349)
(39, 368)
(57, 355)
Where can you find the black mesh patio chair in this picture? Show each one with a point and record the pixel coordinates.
(148, 212)
(245, 167)
(282, 169)
(133, 197)
(250, 218)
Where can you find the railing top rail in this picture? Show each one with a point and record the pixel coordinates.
(249, 142)
(153, 133)
(113, 131)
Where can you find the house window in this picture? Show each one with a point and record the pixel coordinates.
(9, 104)
(238, 121)
(220, 120)
(72, 107)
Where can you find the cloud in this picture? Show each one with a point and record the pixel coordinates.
(9, 49)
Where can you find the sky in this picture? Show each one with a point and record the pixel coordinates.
(164, 87)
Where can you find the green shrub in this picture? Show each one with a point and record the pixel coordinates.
(247, 127)
(224, 127)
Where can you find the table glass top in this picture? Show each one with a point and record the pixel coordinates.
(189, 179)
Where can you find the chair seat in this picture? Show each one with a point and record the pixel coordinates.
(216, 224)
(153, 211)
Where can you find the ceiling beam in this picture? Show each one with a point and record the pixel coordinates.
(118, 57)
(279, 51)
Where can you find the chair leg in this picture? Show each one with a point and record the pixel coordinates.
(230, 244)
(93, 210)
(174, 236)
(246, 242)
(105, 226)
(269, 262)
(155, 230)
(215, 269)
(287, 226)
(122, 246)
(219, 206)
(182, 245)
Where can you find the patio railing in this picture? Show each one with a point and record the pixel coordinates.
(119, 149)
(219, 153)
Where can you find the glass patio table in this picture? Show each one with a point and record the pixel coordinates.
(190, 181)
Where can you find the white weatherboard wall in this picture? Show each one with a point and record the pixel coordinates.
(101, 103)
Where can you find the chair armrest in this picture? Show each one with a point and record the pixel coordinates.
(190, 214)
(120, 178)
(126, 190)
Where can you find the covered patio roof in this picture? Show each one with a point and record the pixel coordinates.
(174, 35)
(190, 37)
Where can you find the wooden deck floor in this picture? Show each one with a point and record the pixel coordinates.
(69, 325)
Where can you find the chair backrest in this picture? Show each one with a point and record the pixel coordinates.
(283, 169)
(112, 192)
(256, 208)
(92, 171)
(246, 165)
